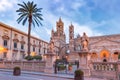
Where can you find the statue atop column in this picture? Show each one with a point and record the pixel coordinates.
(84, 42)
(51, 46)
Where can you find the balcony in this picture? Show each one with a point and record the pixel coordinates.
(6, 47)
(22, 50)
(15, 49)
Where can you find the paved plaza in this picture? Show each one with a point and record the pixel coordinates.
(32, 76)
(9, 76)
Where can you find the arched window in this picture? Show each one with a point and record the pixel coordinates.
(116, 53)
(79, 47)
(94, 56)
(115, 56)
(104, 60)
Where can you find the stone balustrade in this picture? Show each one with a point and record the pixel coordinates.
(102, 66)
(107, 70)
(24, 65)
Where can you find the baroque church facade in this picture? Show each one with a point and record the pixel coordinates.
(83, 48)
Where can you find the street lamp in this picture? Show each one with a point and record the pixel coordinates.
(2, 49)
(44, 56)
(33, 54)
(67, 63)
(68, 51)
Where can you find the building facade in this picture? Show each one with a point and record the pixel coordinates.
(59, 39)
(15, 41)
(98, 48)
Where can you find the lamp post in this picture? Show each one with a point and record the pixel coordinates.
(59, 47)
(55, 65)
(33, 54)
(67, 52)
(2, 49)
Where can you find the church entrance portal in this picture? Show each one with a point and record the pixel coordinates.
(104, 55)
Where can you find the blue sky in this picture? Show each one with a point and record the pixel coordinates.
(95, 17)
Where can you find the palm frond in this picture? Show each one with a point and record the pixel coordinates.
(27, 9)
(33, 23)
(22, 6)
(21, 18)
(36, 21)
(24, 21)
(26, 6)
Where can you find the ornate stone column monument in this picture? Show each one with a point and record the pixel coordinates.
(50, 58)
(83, 63)
(83, 54)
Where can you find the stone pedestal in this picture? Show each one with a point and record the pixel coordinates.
(83, 63)
(49, 68)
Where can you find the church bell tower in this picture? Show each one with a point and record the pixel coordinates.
(71, 37)
(60, 27)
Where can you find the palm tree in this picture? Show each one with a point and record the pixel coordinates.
(29, 12)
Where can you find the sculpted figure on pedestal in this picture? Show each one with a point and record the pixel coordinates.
(84, 42)
(51, 45)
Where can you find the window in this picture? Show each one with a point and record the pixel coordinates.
(4, 55)
(5, 42)
(116, 53)
(34, 41)
(79, 48)
(39, 50)
(22, 46)
(22, 55)
(15, 44)
(33, 49)
(39, 43)
(44, 50)
(22, 37)
(14, 55)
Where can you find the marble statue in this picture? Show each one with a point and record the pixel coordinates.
(84, 42)
(51, 45)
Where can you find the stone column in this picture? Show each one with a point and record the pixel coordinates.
(83, 65)
(49, 68)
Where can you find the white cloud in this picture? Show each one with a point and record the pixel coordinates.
(33, 33)
(77, 5)
(6, 4)
(67, 22)
(48, 31)
(50, 18)
(79, 29)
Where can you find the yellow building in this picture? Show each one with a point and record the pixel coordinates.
(15, 41)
